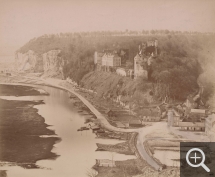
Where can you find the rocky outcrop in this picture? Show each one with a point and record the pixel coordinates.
(53, 63)
(50, 63)
(28, 61)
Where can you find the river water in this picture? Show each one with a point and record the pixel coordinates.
(76, 150)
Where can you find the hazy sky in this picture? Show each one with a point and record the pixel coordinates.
(21, 20)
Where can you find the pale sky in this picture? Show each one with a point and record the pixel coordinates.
(21, 20)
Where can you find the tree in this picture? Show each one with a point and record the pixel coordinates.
(152, 31)
(166, 31)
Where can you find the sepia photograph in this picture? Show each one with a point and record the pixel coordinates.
(98, 88)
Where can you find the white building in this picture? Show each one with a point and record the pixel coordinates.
(111, 60)
(105, 163)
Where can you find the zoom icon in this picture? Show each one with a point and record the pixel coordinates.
(192, 154)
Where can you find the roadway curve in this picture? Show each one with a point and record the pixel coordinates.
(142, 132)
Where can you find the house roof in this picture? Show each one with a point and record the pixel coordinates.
(191, 124)
(198, 111)
(119, 124)
(108, 110)
(105, 161)
(150, 112)
(135, 121)
(138, 56)
(162, 108)
(112, 55)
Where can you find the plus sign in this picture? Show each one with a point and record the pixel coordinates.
(195, 157)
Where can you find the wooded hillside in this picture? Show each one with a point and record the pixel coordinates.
(183, 57)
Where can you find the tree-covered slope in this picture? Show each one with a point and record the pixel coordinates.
(182, 57)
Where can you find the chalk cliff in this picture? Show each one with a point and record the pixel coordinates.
(49, 63)
(26, 61)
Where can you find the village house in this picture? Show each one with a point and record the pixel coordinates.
(122, 124)
(105, 163)
(198, 113)
(194, 101)
(135, 123)
(173, 118)
(193, 126)
(151, 114)
(110, 113)
(194, 121)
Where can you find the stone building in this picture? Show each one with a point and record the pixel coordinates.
(98, 60)
(111, 60)
(138, 68)
(192, 126)
(105, 163)
(173, 118)
(153, 44)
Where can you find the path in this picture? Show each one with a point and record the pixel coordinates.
(142, 132)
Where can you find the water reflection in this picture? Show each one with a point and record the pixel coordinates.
(76, 150)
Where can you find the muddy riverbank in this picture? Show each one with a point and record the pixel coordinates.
(100, 118)
(20, 129)
(66, 126)
(20, 90)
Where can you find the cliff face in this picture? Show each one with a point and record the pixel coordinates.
(26, 61)
(50, 63)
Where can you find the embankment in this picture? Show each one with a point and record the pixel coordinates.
(101, 119)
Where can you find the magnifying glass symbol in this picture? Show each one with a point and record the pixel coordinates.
(196, 157)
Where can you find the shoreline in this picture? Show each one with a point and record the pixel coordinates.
(22, 126)
(102, 120)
